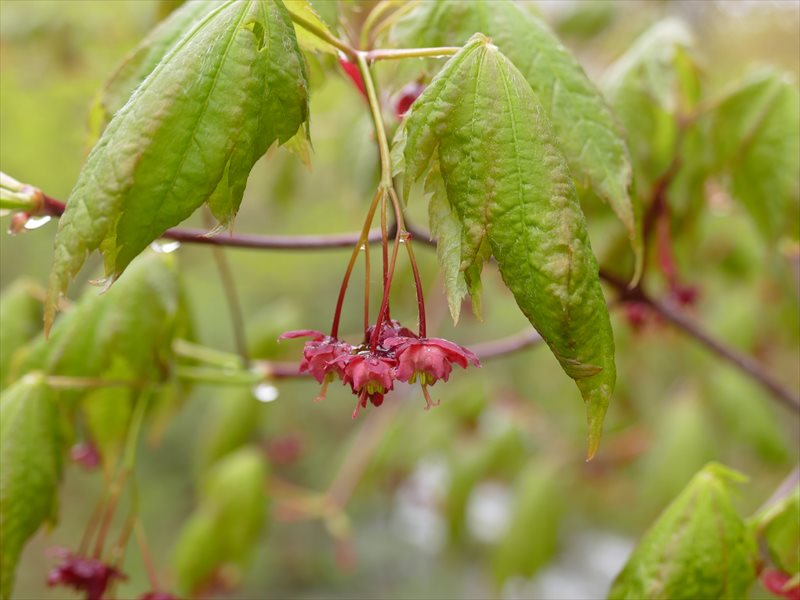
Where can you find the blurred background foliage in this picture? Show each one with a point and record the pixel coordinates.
(488, 494)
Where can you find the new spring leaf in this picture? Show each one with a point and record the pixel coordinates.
(584, 127)
(511, 190)
(30, 452)
(190, 133)
(698, 548)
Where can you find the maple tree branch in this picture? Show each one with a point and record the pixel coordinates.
(668, 311)
(680, 320)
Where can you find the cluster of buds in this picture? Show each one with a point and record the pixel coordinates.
(371, 370)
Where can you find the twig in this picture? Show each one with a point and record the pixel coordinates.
(681, 321)
(670, 313)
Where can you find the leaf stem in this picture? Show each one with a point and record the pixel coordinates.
(219, 376)
(377, 119)
(390, 54)
(204, 354)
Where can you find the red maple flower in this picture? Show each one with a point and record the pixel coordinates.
(320, 353)
(429, 359)
(88, 575)
(370, 375)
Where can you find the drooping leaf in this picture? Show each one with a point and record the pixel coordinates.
(509, 185)
(231, 424)
(698, 548)
(107, 415)
(31, 458)
(232, 85)
(532, 535)
(137, 65)
(20, 321)
(124, 334)
(756, 134)
(646, 87)
(446, 229)
(225, 526)
(584, 127)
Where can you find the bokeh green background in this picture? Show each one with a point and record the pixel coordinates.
(440, 486)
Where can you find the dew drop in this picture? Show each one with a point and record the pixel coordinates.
(265, 392)
(36, 222)
(363, 247)
(165, 247)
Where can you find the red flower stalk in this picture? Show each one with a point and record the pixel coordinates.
(88, 575)
(389, 329)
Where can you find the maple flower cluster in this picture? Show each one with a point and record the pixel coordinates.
(88, 575)
(371, 370)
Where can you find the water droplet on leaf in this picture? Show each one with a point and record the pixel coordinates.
(165, 247)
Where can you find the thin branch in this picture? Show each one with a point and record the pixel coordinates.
(684, 323)
(506, 345)
(55, 208)
(381, 54)
(746, 364)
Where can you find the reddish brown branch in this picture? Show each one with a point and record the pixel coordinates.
(683, 322)
(744, 363)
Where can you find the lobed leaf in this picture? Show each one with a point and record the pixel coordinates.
(756, 133)
(31, 456)
(698, 548)
(584, 126)
(232, 85)
(140, 62)
(648, 89)
(228, 521)
(509, 185)
(124, 334)
(20, 321)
